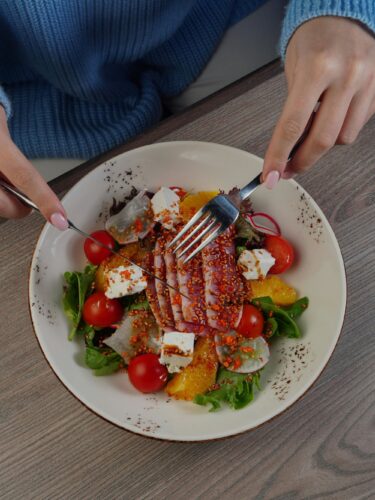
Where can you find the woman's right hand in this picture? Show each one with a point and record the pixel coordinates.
(16, 169)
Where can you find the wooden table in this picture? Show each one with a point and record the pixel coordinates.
(323, 447)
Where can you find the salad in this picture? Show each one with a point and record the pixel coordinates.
(207, 337)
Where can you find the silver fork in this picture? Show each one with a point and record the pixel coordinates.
(212, 220)
(220, 212)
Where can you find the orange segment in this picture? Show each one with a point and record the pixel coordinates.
(272, 286)
(193, 202)
(197, 377)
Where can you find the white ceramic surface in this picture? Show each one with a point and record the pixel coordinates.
(295, 364)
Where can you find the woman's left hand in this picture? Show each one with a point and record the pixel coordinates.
(331, 60)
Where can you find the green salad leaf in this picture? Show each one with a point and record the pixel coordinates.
(240, 249)
(137, 301)
(235, 389)
(137, 306)
(102, 360)
(296, 309)
(280, 320)
(78, 286)
(245, 230)
(89, 335)
(271, 328)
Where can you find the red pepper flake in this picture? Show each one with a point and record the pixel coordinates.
(177, 299)
(229, 340)
(126, 274)
(237, 363)
(247, 349)
(138, 225)
(227, 361)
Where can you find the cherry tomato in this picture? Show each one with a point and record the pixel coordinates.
(147, 374)
(94, 252)
(99, 310)
(252, 322)
(179, 191)
(282, 251)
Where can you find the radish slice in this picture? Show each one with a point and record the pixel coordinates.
(256, 221)
(133, 336)
(134, 221)
(240, 354)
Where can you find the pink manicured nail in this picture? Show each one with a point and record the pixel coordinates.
(59, 221)
(272, 179)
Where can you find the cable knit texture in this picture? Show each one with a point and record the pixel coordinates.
(4, 101)
(85, 75)
(81, 76)
(300, 11)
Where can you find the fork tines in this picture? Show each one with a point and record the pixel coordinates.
(206, 224)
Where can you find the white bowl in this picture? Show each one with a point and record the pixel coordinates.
(295, 364)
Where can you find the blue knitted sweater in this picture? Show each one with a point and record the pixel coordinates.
(81, 76)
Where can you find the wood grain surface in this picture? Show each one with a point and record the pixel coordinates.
(322, 447)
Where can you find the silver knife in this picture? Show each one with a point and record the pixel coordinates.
(24, 199)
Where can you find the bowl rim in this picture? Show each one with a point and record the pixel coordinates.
(140, 432)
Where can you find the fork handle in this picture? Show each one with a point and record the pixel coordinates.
(246, 191)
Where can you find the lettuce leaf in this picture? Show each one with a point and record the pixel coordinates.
(295, 310)
(103, 361)
(140, 306)
(280, 320)
(245, 230)
(78, 286)
(137, 301)
(235, 389)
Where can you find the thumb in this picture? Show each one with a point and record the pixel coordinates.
(21, 173)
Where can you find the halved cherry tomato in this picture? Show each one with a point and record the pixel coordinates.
(99, 310)
(282, 251)
(179, 191)
(252, 322)
(94, 252)
(146, 373)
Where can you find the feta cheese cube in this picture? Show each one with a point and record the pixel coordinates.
(124, 280)
(177, 350)
(255, 264)
(166, 207)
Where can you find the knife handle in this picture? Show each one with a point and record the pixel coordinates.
(20, 196)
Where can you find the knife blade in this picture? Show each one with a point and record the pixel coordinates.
(25, 200)
(103, 245)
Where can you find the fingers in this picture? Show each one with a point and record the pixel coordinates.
(360, 110)
(23, 175)
(11, 208)
(324, 130)
(371, 110)
(335, 58)
(293, 120)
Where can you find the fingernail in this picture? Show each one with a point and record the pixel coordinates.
(272, 179)
(287, 175)
(59, 221)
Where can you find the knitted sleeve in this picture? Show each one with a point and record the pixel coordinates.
(299, 11)
(4, 101)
